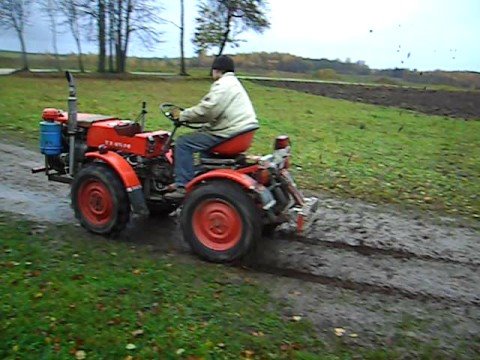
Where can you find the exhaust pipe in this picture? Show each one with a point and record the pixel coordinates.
(72, 121)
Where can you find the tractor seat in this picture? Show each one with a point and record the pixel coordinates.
(229, 153)
(234, 145)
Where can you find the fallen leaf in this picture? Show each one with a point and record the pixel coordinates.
(248, 354)
(353, 335)
(180, 351)
(38, 295)
(80, 355)
(258, 333)
(137, 333)
(221, 345)
(137, 272)
(289, 347)
(130, 346)
(296, 318)
(128, 357)
(339, 331)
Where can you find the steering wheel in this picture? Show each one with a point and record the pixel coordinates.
(166, 109)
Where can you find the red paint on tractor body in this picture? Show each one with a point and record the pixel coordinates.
(115, 134)
(121, 167)
(225, 174)
(127, 137)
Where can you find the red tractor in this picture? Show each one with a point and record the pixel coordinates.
(115, 167)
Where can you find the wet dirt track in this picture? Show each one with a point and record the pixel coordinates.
(459, 104)
(377, 272)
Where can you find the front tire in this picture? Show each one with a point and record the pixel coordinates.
(99, 199)
(219, 221)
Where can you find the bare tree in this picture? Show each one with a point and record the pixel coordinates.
(111, 32)
(97, 11)
(116, 22)
(102, 31)
(134, 17)
(50, 8)
(181, 27)
(221, 21)
(183, 71)
(72, 11)
(14, 15)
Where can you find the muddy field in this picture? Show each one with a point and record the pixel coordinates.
(381, 274)
(458, 104)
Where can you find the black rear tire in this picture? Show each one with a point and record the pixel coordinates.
(100, 200)
(220, 221)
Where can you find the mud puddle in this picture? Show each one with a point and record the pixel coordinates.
(378, 273)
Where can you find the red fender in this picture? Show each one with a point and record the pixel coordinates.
(121, 166)
(244, 180)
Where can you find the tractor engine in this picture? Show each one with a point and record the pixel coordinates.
(154, 174)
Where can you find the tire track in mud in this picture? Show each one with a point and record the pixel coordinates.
(419, 279)
(351, 245)
(371, 250)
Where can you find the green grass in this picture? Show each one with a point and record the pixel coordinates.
(62, 292)
(65, 293)
(374, 153)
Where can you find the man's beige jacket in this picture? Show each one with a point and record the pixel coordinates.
(226, 110)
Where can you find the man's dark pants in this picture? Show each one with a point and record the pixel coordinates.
(185, 147)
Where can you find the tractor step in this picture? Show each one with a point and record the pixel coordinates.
(39, 169)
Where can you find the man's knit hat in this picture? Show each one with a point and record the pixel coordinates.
(223, 63)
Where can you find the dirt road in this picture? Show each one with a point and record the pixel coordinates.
(383, 275)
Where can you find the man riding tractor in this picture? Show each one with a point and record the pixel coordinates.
(226, 111)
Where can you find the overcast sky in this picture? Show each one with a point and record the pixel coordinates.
(416, 34)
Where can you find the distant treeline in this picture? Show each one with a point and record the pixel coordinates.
(263, 63)
(291, 63)
(333, 69)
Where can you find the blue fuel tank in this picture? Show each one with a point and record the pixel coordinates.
(50, 138)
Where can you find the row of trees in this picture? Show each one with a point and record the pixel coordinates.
(291, 63)
(113, 23)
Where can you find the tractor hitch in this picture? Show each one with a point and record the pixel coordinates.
(305, 215)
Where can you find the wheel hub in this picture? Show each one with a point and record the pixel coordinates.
(217, 224)
(96, 203)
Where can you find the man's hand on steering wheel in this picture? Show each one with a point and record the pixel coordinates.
(175, 113)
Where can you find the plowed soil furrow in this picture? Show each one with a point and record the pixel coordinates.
(460, 104)
(380, 273)
(358, 224)
(371, 250)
